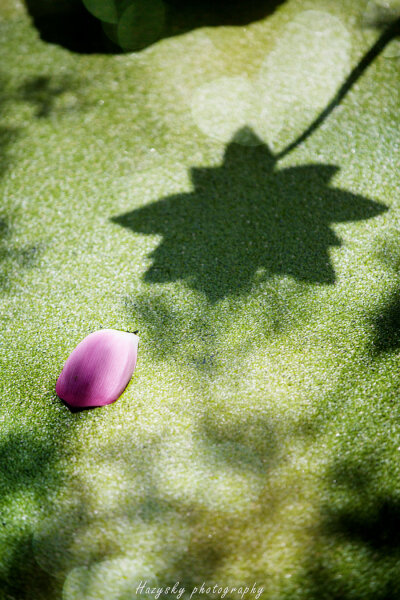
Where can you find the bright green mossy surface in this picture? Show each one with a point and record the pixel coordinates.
(259, 439)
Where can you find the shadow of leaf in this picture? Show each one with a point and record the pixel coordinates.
(378, 528)
(168, 330)
(250, 445)
(248, 217)
(357, 546)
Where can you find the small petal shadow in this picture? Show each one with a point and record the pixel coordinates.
(52, 94)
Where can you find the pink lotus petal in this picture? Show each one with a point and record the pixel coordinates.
(99, 369)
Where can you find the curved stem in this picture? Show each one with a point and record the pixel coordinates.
(387, 36)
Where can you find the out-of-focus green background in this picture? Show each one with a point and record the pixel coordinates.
(258, 441)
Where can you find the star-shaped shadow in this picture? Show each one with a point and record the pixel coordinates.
(246, 217)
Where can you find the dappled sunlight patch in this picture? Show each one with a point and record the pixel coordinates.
(115, 579)
(298, 77)
(272, 544)
(199, 61)
(292, 370)
(79, 533)
(189, 475)
(199, 510)
(225, 105)
(301, 74)
(109, 487)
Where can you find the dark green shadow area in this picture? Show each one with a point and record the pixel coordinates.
(386, 326)
(354, 550)
(7, 134)
(28, 474)
(246, 217)
(191, 329)
(385, 319)
(357, 548)
(35, 459)
(249, 445)
(69, 24)
(184, 16)
(25, 579)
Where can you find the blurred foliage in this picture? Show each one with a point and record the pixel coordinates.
(92, 26)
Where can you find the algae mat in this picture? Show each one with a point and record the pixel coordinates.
(256, 451)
